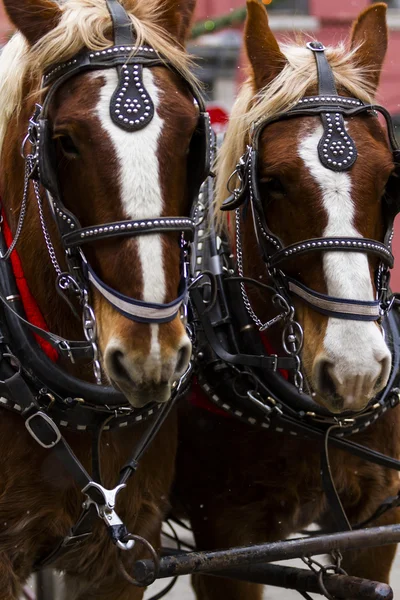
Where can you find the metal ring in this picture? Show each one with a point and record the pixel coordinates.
(140, 540)
(298, 334)
(322, 587)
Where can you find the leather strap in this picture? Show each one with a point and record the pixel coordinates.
(129, 229)
(341, 308)
(264, 362)
(122, 24)
(335, 504)
(334, 244)
(326, 81)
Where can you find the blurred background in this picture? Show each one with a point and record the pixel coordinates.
(217, 45)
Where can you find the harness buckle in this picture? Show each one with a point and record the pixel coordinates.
(316, 46)
(40, 433)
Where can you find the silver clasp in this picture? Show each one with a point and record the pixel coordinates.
(106, 510)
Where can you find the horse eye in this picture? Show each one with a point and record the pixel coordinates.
(272, 185)
(68, 146)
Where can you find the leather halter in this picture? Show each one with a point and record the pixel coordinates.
(337, 152)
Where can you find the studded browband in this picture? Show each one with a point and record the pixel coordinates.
(337, 151)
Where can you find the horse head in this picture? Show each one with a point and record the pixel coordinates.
(309, 193)
(117, 142)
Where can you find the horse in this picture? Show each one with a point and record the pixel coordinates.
(309, 171)
(101, 115)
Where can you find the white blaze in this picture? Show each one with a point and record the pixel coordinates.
(355, 347)
(139, 180)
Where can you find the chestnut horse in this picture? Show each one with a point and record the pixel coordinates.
(106, 172)
(238, 483)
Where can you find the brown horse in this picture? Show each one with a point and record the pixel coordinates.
(238, 483)
(106, 174)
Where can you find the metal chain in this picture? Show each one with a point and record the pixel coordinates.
(22, 214)
(90, 331)
(47, 239)
(292, 341)
(277, 299)
(292, 336)
(239, 260)
(321, 570)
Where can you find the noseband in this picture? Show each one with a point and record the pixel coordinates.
(337, 152)
(131, 109)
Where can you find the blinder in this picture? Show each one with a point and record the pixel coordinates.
(199, 161)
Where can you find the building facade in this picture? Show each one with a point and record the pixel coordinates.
(326, 20)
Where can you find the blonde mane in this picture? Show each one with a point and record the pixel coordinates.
(84, 23)
(298, 75)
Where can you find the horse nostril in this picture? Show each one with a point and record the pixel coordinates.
(117, 366)
(326, 384)
(183, 359)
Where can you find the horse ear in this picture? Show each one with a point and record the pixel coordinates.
(370, 35)
(264, 54)
(33, 18)
(177, 17)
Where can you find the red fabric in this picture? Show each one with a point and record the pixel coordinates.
(31, 308)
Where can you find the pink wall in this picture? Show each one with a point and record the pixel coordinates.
(211, 8)
(339, 10)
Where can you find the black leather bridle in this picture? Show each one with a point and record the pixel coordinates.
(131, 109)
(337, 151)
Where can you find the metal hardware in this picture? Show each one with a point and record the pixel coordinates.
(321, 570)
(137, 539)
(255, 397)
(50, 422)
(292, 341)
(238, 174)
(66, 348)
(316, 46)
(22, 213)
(90, 332)
(106, 510)
(13, 298)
